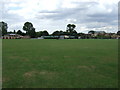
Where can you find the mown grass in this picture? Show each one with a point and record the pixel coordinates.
(60, 63)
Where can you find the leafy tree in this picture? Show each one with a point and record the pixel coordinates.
(10, 32)
(14, 32)
(61, 32)
(56, 33)
(30, 30)
(44, 33)
(70, 28)
(28, 26)
(82, 35)
(91, 32)
(32, 33)
(19, 32)
(39, 34)
(23, 34)
(118, 33)
(3, 28)
(74, 33)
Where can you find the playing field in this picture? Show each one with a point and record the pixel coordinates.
(83, 63)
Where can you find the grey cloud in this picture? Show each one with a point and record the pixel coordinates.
(105, 18)
(62, 13)
(80, 13)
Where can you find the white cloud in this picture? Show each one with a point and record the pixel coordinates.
(71, 20)
(56, 14)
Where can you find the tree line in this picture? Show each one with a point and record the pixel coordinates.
(30, 30)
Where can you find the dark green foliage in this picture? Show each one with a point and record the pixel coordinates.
(70, 28)
(30, 30)
(32, 33)
(20, 33)
(91, 32)
(42, 33)
(28, 26)
(118, 33)
(58, 33)
(38, 34)
(3, 28)
(10, 32)
(74, 33)
(14, 32)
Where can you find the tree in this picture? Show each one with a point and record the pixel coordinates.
(42, 33)
(74, 33)
(10, 32)
(56, 33)
(82, 35)
(19, 32)
(32, 33)
(3, 28)
(45, 33)
(27, 26)
(30, 30)
(91, 32)
(118, 33)
(38, 34)
(70, 28)
(61, 32)
(14, 32)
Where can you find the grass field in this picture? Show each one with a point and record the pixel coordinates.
(60, 63)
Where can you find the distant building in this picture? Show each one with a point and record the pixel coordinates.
(57, 37)
(26, 37)
(99, 32)
(62, 37)
(95, 33)
(12, 36)
(40, 37)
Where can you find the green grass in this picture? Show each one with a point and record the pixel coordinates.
(60, 63)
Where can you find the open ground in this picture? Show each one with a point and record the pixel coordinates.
(33, 63)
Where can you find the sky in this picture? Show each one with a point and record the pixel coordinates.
(52, 15)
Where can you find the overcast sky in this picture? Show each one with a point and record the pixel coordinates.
(52, 15)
